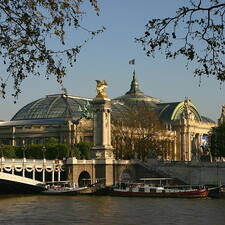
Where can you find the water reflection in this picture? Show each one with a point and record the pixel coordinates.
(49, 210)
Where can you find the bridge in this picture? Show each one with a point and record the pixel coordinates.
(10, 183)
(28, 175)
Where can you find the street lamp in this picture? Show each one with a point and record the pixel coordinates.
(43, 151)
(1, 155)
(43, 171)
(24, 158)
(24, 149)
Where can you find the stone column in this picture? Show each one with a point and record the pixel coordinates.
(175, 148)
(102, 148)
(183, 145)
(188, 149)
(13, 136)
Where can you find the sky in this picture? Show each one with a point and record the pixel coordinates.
(106, 58)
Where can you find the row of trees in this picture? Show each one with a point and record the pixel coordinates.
(51, 150)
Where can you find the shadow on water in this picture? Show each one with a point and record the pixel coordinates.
(49, 210)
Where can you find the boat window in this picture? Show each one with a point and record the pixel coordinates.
(141, 189)
(152, 190)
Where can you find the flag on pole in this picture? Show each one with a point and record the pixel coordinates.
(131, 62)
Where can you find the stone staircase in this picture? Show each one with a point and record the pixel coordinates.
(154, 171)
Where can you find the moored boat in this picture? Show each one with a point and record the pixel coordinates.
(62, 188)
(214, 192)
(158, 190)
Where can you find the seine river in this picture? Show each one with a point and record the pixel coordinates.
(49, 210)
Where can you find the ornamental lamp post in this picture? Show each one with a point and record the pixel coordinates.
(24, 150)
(43, 152)
(1, 156)
(24, 158)
(43, 171)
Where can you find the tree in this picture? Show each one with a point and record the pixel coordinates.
(196, 31)
(26, 26)
(84, 149)
(135, 133)
(217, 141)
(8, 151)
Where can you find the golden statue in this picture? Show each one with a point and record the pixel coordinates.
(100, 88)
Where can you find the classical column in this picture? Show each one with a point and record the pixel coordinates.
(13, 136)
(175, 149)
(102, 148)
(188, 147)
(183, 145)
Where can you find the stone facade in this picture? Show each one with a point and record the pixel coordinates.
(69, 119)
(37, 132)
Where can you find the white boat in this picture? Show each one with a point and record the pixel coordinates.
(159, 189)
(62, 188)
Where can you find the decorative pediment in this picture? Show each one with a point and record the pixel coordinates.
(186, 111)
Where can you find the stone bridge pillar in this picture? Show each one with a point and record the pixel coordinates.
(102, 149)
(102, 129)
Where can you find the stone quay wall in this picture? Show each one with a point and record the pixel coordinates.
(212, 173)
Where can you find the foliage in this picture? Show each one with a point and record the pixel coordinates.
(84, 149)
(51, 140)
(52, 150)
(75, 152)
(217, 141)
(196, 31)
(8, 151)
(34, 151)
(37, 151)
(26, 26)
(135, 133)
(58, 151)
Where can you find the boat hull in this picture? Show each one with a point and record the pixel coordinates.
(202, 193)
(60, 193)
(63, 192)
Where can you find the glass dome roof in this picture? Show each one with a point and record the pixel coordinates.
(61, 106)
(54, 106)
(135, 96)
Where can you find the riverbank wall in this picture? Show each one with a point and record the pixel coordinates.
(193, 172)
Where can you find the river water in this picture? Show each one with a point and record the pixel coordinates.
(98, 210)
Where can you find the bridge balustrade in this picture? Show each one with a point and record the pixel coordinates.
(32, 165)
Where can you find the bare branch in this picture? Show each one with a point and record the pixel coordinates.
(201, 38)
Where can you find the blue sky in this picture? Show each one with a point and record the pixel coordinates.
(106, 57)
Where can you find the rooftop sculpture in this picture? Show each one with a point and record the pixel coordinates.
(100, 88)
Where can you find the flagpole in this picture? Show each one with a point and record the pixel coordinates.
(132, 62)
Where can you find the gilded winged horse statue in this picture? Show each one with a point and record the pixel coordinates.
(100, 88)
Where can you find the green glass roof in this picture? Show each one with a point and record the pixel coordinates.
(53, 106)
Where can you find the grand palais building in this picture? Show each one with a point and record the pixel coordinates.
(69, 119)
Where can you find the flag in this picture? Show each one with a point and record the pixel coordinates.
(131, 62)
